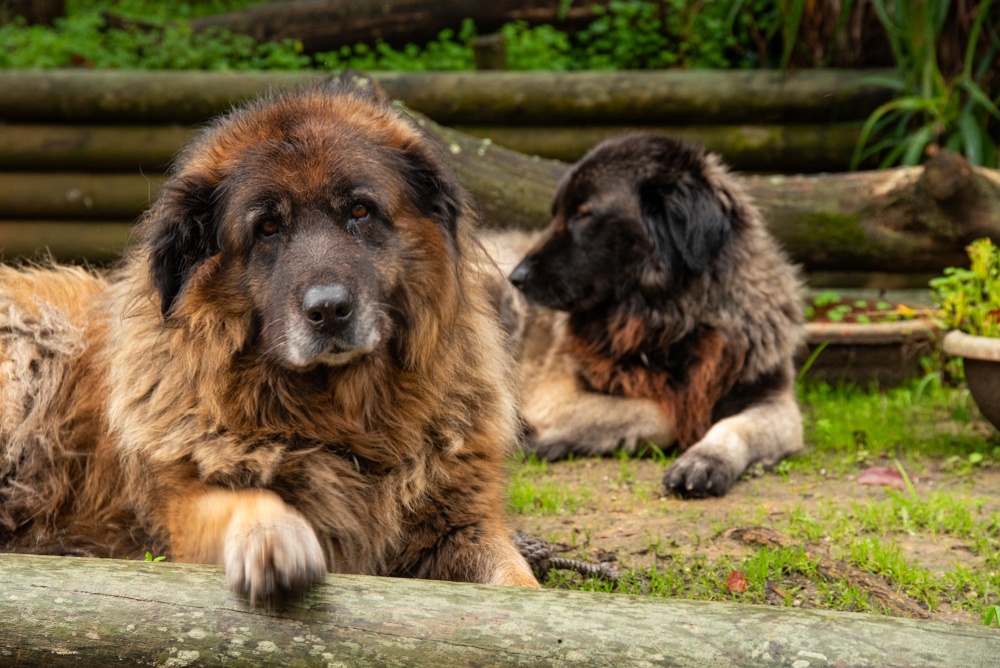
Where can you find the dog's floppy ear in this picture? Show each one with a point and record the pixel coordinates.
(435, 188)
(180, 233)
(686, 222)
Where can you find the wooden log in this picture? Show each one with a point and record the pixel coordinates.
(76, 196)
(149, 148)
(98, 242)
(490, 52)
(42, 12)
(501, 98)
(788, 148)
(905, 220)
(83, 612)
(92, 148)
(326, 25)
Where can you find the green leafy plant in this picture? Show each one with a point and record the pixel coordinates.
(82, 40)
(992, 615)
(929, 109)
(626, 34)
(969, 299)
(831, 306)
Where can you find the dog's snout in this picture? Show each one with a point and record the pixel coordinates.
(519, 277)
(328, 308)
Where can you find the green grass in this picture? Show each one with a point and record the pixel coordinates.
(846, 426)
(922, 427)
(529, 493)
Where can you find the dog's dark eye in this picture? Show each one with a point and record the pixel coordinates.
(268, 228)
(359, 211)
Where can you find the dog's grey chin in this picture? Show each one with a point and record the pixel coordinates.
(341, 358)
(334, 354)
(338, 356)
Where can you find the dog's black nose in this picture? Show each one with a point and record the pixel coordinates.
(328, 308)
(519, 277)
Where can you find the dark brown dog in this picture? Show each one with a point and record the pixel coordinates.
(669, 314)
(297, 369)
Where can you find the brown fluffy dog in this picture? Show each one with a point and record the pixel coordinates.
(296, 369)
(669, 315)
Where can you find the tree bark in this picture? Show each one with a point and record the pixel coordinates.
(41, 12)
(326, 25)
(93, 241)
(645, 98)
(786, 148)
(92, 148)
(85, 612)
(907, 219)
(83, 196)
(900, 220)
(792, 148)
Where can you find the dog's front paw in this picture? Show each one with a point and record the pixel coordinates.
(273, 555)
(552, 450)
(697, 475)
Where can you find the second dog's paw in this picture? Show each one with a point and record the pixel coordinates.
(273, 556)
(552, 450)
(697, 475)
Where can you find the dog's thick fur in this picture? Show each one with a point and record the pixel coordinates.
(667, 314)
(297, 368)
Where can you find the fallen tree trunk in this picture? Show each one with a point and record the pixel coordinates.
(150, 148)
(901, 220)
(789, 148)
(481, 98)
(905, 220)
(326, 25)
(84, 612)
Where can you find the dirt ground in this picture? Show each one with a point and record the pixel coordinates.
(620, 517)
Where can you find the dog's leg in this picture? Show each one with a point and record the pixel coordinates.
(765, 432)
(268, 548)
(498, 561)
(482, 552)
(588, 423)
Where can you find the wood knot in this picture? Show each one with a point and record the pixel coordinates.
(946, 173)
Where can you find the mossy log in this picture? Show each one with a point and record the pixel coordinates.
(83, 612)
(792, 148)
(907, 219)
(787, 148)
(901, 220)
(499, 98)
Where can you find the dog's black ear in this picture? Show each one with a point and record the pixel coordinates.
(434, 186)
(180, 232)
(686, 222)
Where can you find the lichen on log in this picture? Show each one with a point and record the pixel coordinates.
(70, 611)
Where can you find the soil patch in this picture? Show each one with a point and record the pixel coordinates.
(619, 517)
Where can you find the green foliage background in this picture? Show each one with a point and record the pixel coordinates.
(932, 106)
(628, 35)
